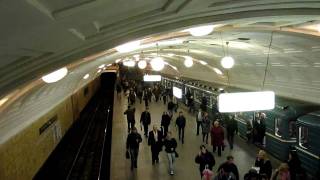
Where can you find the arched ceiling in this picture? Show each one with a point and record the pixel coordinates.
(39, 36)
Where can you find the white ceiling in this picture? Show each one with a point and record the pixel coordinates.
(39, 36)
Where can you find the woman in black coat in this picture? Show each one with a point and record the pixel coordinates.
(264, 164)
(205, 158)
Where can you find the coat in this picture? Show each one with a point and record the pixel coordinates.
(156, 144)
(130, 114)
(170, 145)
(145, 118)
(217, 136)
(133, 141)
(205, 159)
(181, 121)
(165, 120)
(265, 167)
(205, 125)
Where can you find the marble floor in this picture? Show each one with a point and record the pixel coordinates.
(185, 166)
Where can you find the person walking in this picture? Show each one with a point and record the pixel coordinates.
(282, 173)
(165, 122)
(232, 129)
(204, 158)
(181, 123)
(155, 141)
(199, 120)
(133, 141)
(294, 163)
(264, 164)
(229, 169)
(217, 137)
(170, 144)
(205, 124)
(130, 112)
(145, 120)
(145, 98)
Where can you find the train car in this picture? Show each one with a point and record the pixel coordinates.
(281, 125)
(244, 119)
(307, 145)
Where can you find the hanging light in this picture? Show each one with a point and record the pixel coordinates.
(102, 66)
(157, 64)
(55, 76)
(127, 47)
(227, 62)
(188, 62)
(201, 30)
(142, 64)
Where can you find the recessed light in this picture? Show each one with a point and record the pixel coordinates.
(127, 47)
(55, 76)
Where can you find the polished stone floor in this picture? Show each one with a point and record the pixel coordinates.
(185, 167)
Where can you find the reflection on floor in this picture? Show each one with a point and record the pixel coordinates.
(185, 166)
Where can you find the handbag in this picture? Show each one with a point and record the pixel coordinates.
(176, 154)
(127, 155)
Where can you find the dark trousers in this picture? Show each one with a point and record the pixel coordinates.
(146, 103)
(130, 125)
(134, 157)
(198, 126)
(165, 129)
(164, 100)
(155, 153)
(181, 134)
(205, 137)
(230, 137)
(145, 127)
(219, 149)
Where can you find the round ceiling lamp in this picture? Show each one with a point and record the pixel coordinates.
(142, 64)
(203, 62)
(188, 62)
(227, 62)
(157, 64)
(201, 30)
(129, 63)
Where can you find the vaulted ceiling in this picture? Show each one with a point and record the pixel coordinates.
(273, 40)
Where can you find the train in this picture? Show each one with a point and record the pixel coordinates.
(292, 124)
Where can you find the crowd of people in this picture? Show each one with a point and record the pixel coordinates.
(160, 138)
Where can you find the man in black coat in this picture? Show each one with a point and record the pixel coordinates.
(232, 129)
(155, 141)
(181, 123)
(205, 158)
(133, 141)
(145, 120)
(130, 112)
(229, 169)
(165, 122)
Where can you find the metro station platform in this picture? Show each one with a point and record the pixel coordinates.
(185, 166)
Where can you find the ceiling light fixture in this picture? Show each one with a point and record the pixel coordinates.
(55, 76)
(129, 63)
(127, 47)
(201, 30)
(157, 64)
(188, 62)
(203, 62)
(99, 71)
(3, 100)
(227, 62)
(318, 28)
(150, 78)
(170, 55)
(142, 64)
(118, 60)
(86, 76)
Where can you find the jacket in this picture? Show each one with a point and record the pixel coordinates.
(205, 125)
(130, 114)
(181, 121)
(217, 136)
(145, 118)
(170, 145)
(265, 167)
(165, 120)
(232, 126)
(133, 141)
(205, 159)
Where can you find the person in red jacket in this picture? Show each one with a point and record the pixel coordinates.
(217, 137)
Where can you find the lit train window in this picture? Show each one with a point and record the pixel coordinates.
(277, 127)
(303, 137)
(293, 129)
